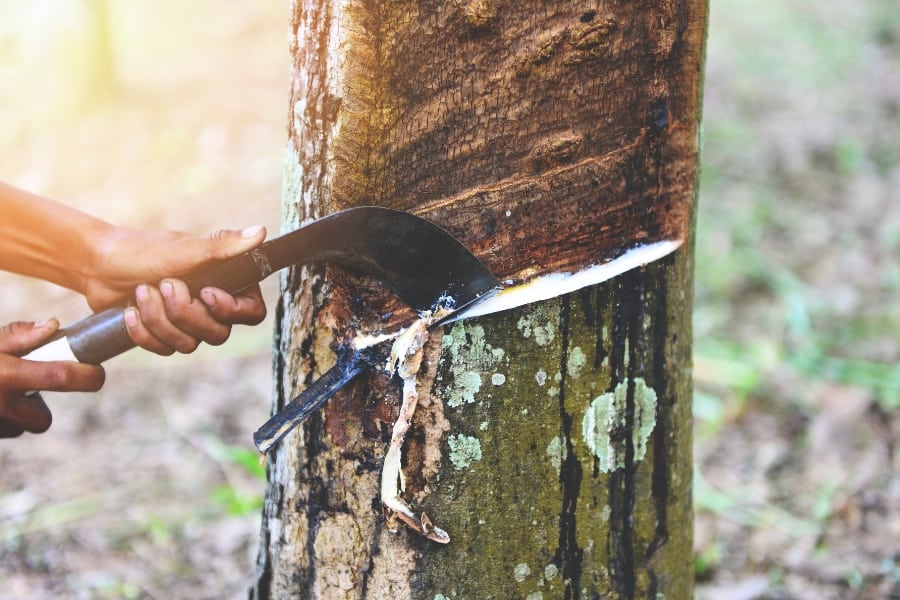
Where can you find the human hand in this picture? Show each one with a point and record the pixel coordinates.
(21, 411)
(166, 318)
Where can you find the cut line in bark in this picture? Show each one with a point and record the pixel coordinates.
(549, 286)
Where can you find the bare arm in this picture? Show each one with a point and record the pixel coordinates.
(47, 240)
(107, 264)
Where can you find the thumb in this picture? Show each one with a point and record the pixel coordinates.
(22, 336)
(227, 243)
(188, 252)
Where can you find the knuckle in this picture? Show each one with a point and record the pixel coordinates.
(178, 311)
(219, 337)
(152, 318)
(42, 423)
(187, 345)
(218, 243)
(12, 334)
(98, 378)
(260, 314)
(14, 328)
(58, 376)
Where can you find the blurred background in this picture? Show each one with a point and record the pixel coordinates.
(797, 315)
(173, 115)
(163, 114)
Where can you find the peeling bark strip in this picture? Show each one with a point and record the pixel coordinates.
(547, 137)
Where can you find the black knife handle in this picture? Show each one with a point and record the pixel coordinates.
(103, 335)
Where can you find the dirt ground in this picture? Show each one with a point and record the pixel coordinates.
(150, 488)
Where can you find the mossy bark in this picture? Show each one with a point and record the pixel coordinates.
(552, 441)
(552, 504)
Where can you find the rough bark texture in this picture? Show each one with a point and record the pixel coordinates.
(551, 441)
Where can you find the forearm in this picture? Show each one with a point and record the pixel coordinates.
(47, 240)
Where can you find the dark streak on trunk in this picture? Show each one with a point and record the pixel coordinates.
(568, 555)
(263, 585)
(664, 407)
(626, 334)
(315, 502)
(273, 506)
(374, 550)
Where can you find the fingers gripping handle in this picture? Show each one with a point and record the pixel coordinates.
(103, 335)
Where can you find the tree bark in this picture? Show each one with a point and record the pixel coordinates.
(552, 441)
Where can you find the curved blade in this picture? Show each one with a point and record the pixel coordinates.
(420, 262)
(423, 264)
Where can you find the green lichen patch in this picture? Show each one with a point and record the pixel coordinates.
(607, 413)
(464, 450)
(557, 452)
(468, 355)
(465, 385)
(575, 362)
(538, 326)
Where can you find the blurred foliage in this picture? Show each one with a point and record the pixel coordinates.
(230, 496)
(741, 505)
(235, 503)
(797, 250)
(797, 311)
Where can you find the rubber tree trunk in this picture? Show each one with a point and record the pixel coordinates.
(552, 441)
